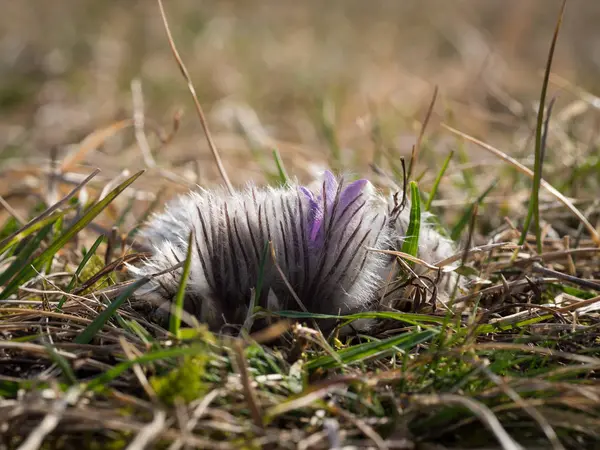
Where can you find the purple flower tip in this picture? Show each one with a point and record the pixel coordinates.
(324, 202)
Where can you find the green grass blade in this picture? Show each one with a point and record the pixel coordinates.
(438, 179)
(88, 255)
(411, 243)
(90, 331)
(534, 203)
(24, 255)
(410, 318)
(17, 237)
(497, 327)
(85, 219)
(149, 357)
(140, 331)
(368, 350)
(175, 316)
(326, 119)
(57, 229)
(283, 176)
(468, 214)
(62, 362)
(43, 218)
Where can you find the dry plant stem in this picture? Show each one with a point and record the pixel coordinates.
(51, 420)
(249, 392)
(584, 95)
(272, 332)
(406, 256)
(440, 265)
(364, 428)
(105, 421)
(197, 415)
(536, 350)
(589, 284)
(529, 409)
(560, 197)
(417, 147)
(150, 432)
(318, 437)
(139, 122)
(12, 211)
(92, 142)
(132, 353)
(307, 398)
(479, 409)
(499, 288)
(192, 90)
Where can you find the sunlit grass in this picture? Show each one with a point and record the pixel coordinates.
(510, 361)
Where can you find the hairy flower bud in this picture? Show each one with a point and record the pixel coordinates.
(320, 239)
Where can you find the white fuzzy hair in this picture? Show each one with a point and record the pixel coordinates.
(326, 269)
(332, 273)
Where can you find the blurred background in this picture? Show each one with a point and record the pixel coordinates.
(326, 83)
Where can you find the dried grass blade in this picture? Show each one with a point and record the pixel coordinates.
(560, 197)
(92, 142)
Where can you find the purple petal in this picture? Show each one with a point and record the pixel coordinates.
(351, 192)
(331, 186)
(316, 226)
(310, 197)
(314, 215)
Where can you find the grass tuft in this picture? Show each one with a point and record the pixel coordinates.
(510, 360)
(534, 207)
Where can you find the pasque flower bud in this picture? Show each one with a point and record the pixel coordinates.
(320, 239)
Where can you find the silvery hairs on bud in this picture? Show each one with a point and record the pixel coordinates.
(319, 237)
(433, 247)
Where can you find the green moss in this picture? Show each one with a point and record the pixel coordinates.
(185, 382)
(10, 226)
(93, 266)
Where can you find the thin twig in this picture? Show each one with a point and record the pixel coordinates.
(249, 392)
(147, 434)
(192, 90)
(12, 211)
(137, 99)
(51, 420)
(417, 147)
(197, 415)
(590, 284)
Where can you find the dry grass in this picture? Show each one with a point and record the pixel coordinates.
(511, 364)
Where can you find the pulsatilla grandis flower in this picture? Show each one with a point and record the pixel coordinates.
(308, 247)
